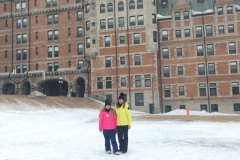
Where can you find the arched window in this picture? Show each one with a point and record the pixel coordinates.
(139, 4)
(110, 7)
(120, 6)
(132, 4)
(102, 8)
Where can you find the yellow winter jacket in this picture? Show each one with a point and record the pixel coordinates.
(123, 115)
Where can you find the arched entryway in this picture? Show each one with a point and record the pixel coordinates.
(26, 88)
(54, 87)
(9, 88)
(80, 84)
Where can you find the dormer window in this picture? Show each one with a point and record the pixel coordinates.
(164, 3)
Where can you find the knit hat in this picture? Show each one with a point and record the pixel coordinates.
(107, 102)
(121, 96)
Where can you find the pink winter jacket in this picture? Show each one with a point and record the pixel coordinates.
(107, 121)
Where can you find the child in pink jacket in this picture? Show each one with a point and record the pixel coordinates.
(108, 125)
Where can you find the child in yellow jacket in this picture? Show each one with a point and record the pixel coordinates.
(124, 122)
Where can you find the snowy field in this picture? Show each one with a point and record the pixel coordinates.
(72, 134)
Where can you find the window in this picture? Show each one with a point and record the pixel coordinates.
(123, 82)
(181, 91)
(53, 35)
(167, 91)
(79, 32)
(79, 15)
(203, 107)
(22, 38)
(210, 49)
(182, 107)
(139, 4)
(80, 64)
(36, 49)
(187, 32)
(87, 8)
(148, 80)
(198, 31)
(36, 19)
(5, 7)
(179, 52)
(221, 29)
(69, 47)
(103, 24)
(108, 62)
(202, 89)
(201, 69)
(168, 108)
(214, 107)
(235, 88)
(102, 8)
(21, 23)
(110, 23)
(154, 18)
(49, 67)
(213, 89)
(78, 1)
(121, 21)
(138, 82)
(21, 68)
(6, 38)
(109, 97)
(186, 14)
(108, 82)
(137, 59)
(52, 19)
(208, 31)
(132, 20)
(68, 13)
(136, 38)
(122, 39)
(6, 54)
(233, 67)
(107, 41)
(110, 7)
(50, 51)
(199, 50)
(220, 11)
(164, 35)
(180, 70)
(36, 35)
(99, 82)
(120, 6)
(140, 20)
(36, 66)
(232, 47)
(230, 28)
(131, 4)
(164, 3)
(69, 31)
(154, 2)
(139, 99)
(177, 16)
(178, 33)
(122, 61)
(20, 6)
(87, 25)
(236, 107)
(21, 54)
(211, 68)
(88, 42)
(154, 36)
(80, 49)
(229, 10)
(166, 71)
(51, 3)
(165, 53)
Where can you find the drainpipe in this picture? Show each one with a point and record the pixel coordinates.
(116, 49)
(29, 38)
(159, 66)
(12, 31)
(206, 63)
(129, 79)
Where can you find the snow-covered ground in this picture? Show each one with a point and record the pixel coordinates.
(72, 134)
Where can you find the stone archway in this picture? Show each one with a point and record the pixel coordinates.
(9, 88)
(53, 87)
(80, 84)
(26, 88)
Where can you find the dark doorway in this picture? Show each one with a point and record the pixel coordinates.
(80, 87)
(54, 87)
(26, 88)
(9, 88)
